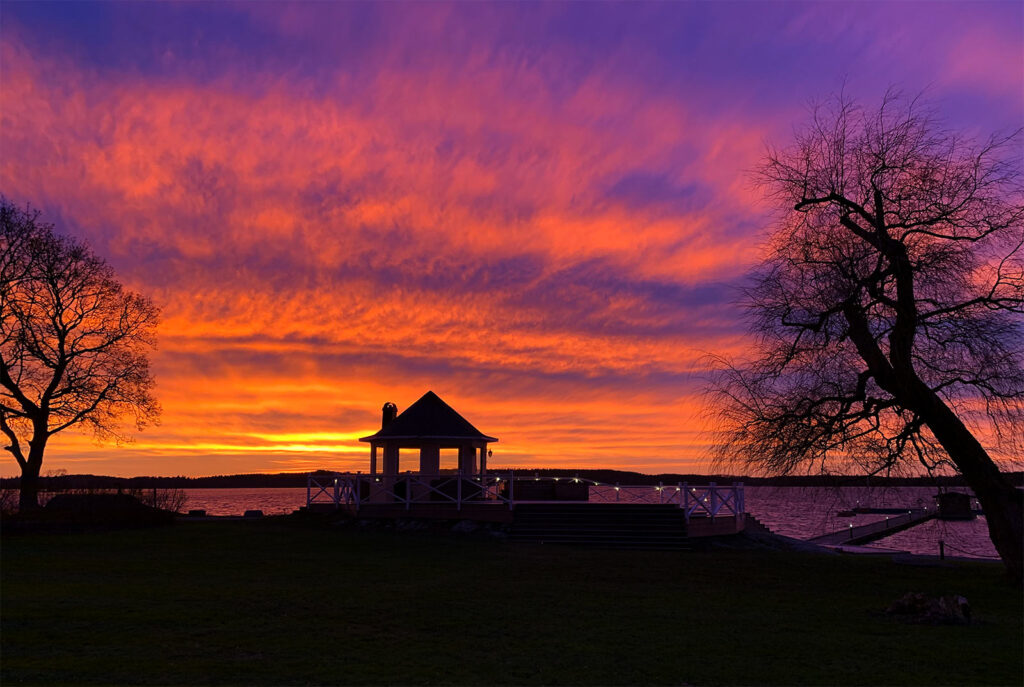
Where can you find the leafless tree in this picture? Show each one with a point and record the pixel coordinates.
(886, 314)
(73, 344)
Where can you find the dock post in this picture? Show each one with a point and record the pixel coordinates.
(308, 479)
(713, 488)
(511, 488)
(661, 492)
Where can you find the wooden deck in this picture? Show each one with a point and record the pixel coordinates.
(696, 526)
(483, 512)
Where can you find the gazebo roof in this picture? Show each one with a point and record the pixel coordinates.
(429, 418)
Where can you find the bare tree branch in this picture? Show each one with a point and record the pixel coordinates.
(886, 316)
(73, 343)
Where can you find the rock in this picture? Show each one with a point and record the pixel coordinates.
(465, 526)
(919, 608)
(956, 608)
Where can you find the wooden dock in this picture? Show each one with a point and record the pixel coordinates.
(879, 529)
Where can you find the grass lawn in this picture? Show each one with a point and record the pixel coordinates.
(269, 602)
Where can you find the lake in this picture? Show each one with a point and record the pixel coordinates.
(800, 512)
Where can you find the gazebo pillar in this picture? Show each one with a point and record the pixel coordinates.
(373, 459)
(390, 458)
(430, 459)
(467, 459)
(483, 459)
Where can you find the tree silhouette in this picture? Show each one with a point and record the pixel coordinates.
(887, 311)
(73, 344)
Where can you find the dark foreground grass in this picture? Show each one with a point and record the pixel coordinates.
(271, 603)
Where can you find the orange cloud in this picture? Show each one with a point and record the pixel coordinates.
(316, 254)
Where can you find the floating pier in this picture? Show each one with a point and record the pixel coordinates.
(891, 524)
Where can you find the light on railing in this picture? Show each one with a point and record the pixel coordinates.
(677, 488)
(575, 481)
(616, 488)
(657, 488)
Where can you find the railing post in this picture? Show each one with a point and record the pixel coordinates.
(713, 496)
(308, 478)
(686, 501)
(408, 489)
(661, 493)
(511, 488)
(616, 492)
(458, 491)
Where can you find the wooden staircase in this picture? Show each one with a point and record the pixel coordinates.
(608, 525)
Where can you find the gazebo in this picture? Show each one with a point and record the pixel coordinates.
(429, 425)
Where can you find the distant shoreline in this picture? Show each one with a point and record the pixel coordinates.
(296, 480)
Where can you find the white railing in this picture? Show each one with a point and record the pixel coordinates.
(459, 489)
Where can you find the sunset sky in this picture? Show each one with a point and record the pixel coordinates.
(538, 211)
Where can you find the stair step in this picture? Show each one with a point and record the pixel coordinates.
(657, 545)
(609, 525)
(632, 531)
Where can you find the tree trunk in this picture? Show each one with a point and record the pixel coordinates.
(1002, 502)
(28, 499)
(28, 496)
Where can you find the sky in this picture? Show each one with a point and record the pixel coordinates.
(539, 211)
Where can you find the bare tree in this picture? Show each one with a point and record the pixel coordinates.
(73, 344)
(887, 311)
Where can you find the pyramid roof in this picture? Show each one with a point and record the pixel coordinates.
(429, 418)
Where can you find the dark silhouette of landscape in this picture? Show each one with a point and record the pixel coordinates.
(297, 480)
